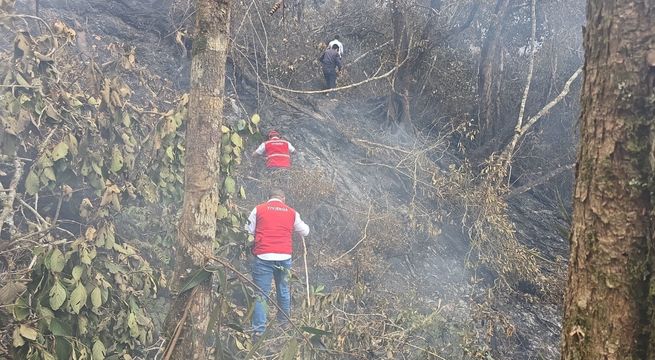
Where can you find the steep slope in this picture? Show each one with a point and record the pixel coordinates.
(378, 228)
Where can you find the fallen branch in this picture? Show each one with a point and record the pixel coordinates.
(374, 78)
(368, 52)
(294, 104)
(368, 221)
(178, 328)
(393, 148)
(541, 180)
(304, 257)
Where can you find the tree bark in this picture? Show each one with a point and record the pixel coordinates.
(609, 304)
(488, 75)
(398, 109)
(197, 226)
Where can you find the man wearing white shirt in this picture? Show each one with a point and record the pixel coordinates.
(273, 224)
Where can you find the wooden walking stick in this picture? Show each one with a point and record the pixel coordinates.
(304, 257)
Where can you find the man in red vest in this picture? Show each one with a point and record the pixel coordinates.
(273, 224)
(277, 151)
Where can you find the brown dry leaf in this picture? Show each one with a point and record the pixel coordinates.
(10, 292)
(90, 233)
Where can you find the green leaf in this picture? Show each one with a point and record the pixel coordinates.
(132, 325)
(49, 173)
(96, 168)
(77, 272)
(225, 159)
(28, 332)
(85, 258)
(20, 309)
(241, 124)
(242, 192)
(116, 160)
(78, 298)
(225, 129)
(85, 170)
(126, 119)
(315, 331)
(196, 278)
(98, 351)
(45, 313)
(255, 119)
(63, 348)
(96, 297)
(57, 261)
(47, 356)
(236, 140)
(18, 340)
(32, 183)
(169, 152)
(221, 212)
(71, 140)
(230, 185)
(57, 296)
(83, 324)
(60, 151)
(75, 102)
(290, 351)
(21, 80)
(60, 328)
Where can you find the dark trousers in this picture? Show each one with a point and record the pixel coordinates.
(330, 79)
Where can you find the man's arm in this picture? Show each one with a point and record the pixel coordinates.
(252, 222)
(260, 150)
(299, 226)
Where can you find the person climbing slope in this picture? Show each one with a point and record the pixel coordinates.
(273, 224)
(338, 43)
(276, 150)
(331, 61)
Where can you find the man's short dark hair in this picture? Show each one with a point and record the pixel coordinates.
(276, 193)
(335, 47)
(336, 37)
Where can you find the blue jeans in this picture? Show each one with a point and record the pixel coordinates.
(263, 273)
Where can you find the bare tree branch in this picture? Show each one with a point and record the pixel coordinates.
(506, 157)
(552, 103)
(540, 180)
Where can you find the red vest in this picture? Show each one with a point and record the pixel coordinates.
(277, 153)
(274, 228)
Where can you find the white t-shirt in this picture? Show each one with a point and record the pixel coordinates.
(261, 149)
(337, 43)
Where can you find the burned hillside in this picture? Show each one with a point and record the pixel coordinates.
(430, 236)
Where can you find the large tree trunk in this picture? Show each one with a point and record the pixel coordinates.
(489, 76)
(197, 227)
(609, 304)
(398, 107)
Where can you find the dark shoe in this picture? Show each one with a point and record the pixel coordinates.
(256, 337)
